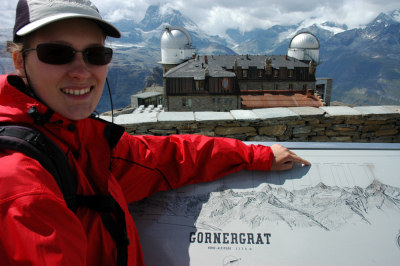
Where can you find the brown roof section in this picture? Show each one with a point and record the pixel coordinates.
(281, 99)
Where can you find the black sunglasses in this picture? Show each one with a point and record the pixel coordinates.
(59, 54)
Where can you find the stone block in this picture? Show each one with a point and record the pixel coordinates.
(176, 116)
(206, 133)
(318, 129)
(352, 121)
(313, 122)
(187, 126)
(369, 128)
(344, 127)
(301, 130)
(307, 111)
(335, 121)
(296, 123)
(340, 111)
(245, 115)
(262, 139)
(305, 136)
(277, 130)
(375, 110)
(375, 122)
(141, 118)
(274, 113)
(331, 133)
(223, 131)
(341, 139)
(394, 108)
(389, 132)
(212, 116)
(388, 126)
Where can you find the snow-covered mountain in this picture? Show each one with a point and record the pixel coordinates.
(364, 62)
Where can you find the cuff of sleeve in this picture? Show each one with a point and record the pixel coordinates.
(263, 158)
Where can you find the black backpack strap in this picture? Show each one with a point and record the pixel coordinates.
(39, 147)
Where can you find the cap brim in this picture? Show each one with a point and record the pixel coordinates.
(108, 28)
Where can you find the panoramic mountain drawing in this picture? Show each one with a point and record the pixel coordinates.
(321, 206)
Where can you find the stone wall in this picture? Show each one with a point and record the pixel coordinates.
(323, 124)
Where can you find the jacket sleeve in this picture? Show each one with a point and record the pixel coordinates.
(35, 223)
(144, 165)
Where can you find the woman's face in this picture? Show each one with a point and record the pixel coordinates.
(72, 89)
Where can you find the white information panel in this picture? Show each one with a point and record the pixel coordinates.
(344, 209)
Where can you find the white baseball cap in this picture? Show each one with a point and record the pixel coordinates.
(34, 14)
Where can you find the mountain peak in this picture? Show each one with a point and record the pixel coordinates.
(157, 15)
(381, 20)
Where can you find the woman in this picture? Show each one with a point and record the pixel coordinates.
(61, 65)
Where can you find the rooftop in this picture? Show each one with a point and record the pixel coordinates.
(281, 99)
(217, 65)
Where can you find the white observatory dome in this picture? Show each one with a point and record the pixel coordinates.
(304, 40)
(176, 45)
(304, 46)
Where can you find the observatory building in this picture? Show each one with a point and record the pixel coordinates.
(229, 82)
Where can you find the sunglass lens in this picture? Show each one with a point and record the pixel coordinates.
(98, 55)
(56, 54)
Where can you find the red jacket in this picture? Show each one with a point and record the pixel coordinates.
(36, 226)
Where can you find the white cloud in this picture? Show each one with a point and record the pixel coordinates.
(215, 16)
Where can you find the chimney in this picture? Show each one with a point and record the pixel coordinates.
(310, 93)
(247, 57)
(206, 60)
(286, 57)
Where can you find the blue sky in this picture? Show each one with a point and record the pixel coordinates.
(215, 16)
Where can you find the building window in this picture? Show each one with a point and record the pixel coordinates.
(260, 73)
(244, 73)
(290, 73)
(276, 72)
(225, 84)
(199, 85)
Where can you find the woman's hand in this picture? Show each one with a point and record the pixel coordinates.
(284, 158)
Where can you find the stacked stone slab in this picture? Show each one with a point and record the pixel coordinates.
(323, 124)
